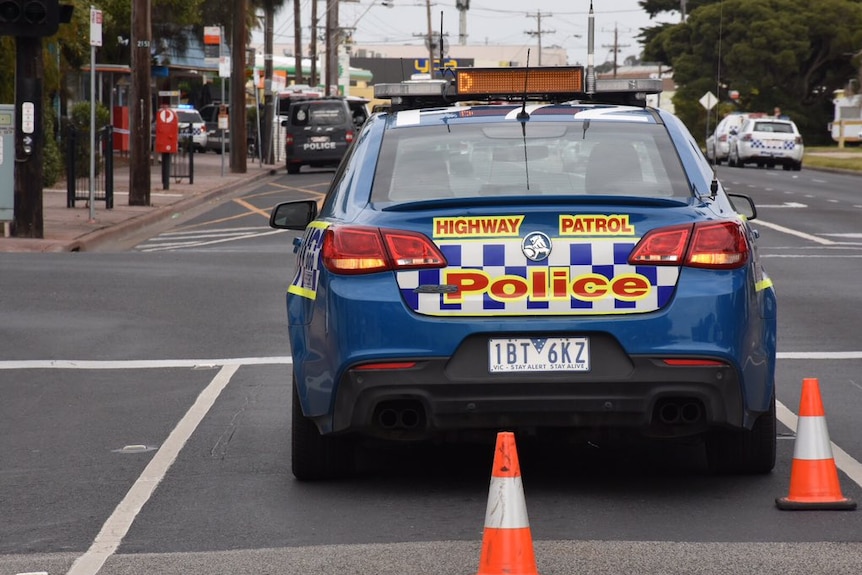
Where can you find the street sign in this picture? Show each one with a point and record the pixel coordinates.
(708, 101)
(95, 27)
(212, 44)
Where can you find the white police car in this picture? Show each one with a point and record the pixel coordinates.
(464, 275)
(192, 125)
(767, 142)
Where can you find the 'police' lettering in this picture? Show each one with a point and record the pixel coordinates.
(543, 286)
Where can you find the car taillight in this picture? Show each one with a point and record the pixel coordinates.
(715, 245)
(361, 250)
(288, 139)
(722, 138)
(746, 138)
(348, 136)
(798, 139)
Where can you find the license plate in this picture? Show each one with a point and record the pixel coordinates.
(526, 354)
(318, 139)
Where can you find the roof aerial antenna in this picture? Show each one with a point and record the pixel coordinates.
(591, 48)
(523, 115)
(713, 186)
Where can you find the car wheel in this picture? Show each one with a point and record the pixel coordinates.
(744, 451)
(731, 160)
(293, 168)
(797, 166)
(315, 456)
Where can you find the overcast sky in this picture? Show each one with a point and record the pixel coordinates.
(563, 23)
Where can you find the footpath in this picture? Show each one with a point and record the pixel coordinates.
(72, 229)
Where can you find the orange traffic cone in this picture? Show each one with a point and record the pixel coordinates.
(507, 545)
(813, 475)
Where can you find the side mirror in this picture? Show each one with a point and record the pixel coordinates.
(293, 215)
(743, 205)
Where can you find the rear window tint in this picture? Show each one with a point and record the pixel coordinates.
(774, 127)
(321, 114)
(464, 160)
(186, 117)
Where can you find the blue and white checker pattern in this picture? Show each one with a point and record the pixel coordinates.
(504, 256)
(782, 145)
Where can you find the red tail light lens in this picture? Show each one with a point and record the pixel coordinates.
(288, 139)
(718, 245)
(746, 137)
(664, 246)
(348, 136)
(362, 250)
(715, 245)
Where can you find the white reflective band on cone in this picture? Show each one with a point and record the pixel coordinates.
(812, 439)
(507, 508)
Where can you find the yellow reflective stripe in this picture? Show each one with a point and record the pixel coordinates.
(302, 292)
(763, 284)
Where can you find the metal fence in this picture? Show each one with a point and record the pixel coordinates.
(78, 183)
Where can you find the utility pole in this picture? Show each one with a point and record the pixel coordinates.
(268, 116)
(430, 40)
(616, 48)
(462, 6)
(332, 40)
(297, 41)
(538, 31)
(313, 81)
(140, 108)
(28, 157)
(238, 128)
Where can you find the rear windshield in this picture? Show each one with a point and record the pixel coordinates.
(547, 158)
(774, 127)
(186, 117)
(318, 114)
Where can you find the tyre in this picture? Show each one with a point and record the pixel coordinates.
(797, 166)
(743, 451)
(293, 168)
(315, 456)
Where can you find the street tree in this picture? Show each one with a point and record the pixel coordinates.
(786, 53)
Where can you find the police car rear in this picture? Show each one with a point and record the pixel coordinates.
(564, 266)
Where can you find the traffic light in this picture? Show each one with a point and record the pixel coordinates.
(29, 18)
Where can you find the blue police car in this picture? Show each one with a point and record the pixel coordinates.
(528, 249)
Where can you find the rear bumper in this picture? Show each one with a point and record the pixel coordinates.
(437, 396)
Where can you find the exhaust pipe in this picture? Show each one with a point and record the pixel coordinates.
(679, 411)
(405, 416)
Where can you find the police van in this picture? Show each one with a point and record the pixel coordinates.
(318, 131)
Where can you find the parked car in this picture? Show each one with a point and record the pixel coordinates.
(210, 113)
(718, 143)
(463, 276)
(192, 125)
(767, 142)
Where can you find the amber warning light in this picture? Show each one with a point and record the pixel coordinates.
(557, 80)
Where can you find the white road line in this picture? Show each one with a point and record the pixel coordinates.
(143, 363)
(192, 244)
(118, 524)
(819, 355)
(791, 232)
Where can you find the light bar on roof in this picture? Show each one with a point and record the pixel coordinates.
(411, 88)
(645, 85)
(499, 81)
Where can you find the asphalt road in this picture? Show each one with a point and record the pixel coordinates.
(144, 422)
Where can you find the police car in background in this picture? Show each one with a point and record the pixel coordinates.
(767, 142)
(192, 125)
(463, 276)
